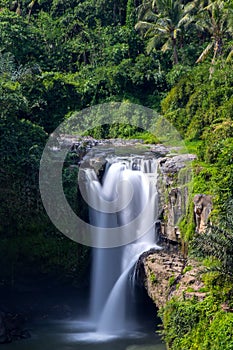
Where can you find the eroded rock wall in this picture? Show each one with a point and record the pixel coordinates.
(167, 274)
(175, 179)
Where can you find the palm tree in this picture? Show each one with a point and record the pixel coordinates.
(216, 19)
(162, 21)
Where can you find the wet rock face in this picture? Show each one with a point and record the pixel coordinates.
(175, 175)
(167, 274)
(170, 167)
(78, 146)
(202, 209)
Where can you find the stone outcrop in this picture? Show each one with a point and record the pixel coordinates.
(167, 274)
(202, 209)
(173, 186)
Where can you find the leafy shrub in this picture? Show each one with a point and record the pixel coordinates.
(218, 142)
(197, 325)
(196, 102)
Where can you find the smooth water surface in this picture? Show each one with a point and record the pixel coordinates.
(76, 331)
(70, 335)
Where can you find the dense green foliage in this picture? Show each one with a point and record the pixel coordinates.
(195, 325)
(197, 103)
(58, 57)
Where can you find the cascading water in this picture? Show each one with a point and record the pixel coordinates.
(135, 179)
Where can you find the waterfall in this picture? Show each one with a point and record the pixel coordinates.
(128, 185)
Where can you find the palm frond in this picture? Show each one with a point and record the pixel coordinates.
(193, 5)
(144, 9)
(205, 53)
(143, 26)
(164, 18)
(166, 46)
(152, 44)
(187, 19)
(161, 29)
(154, 5)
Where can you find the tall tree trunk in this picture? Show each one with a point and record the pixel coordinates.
(218, 45)
(217, 48)
(175, 54)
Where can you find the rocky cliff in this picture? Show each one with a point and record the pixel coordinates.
(169, 273)
(174, 184)
(165, 273)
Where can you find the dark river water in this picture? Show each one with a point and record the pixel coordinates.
(78, 333)
(69, 335)
(64, 335)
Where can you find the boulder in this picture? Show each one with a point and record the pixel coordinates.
(173, 187)
(166, 274)
(202, 208)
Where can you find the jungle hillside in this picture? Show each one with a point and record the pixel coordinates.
(59, 57)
